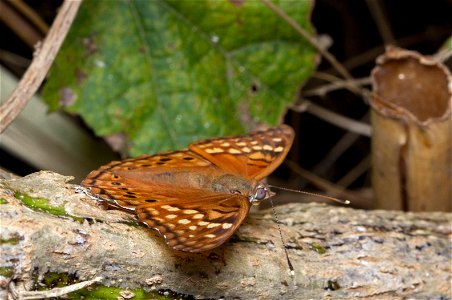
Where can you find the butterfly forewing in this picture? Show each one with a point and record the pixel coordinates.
(177, 192)
(142, 179)
(252, 156)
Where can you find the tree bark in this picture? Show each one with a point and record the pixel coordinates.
(337, 252)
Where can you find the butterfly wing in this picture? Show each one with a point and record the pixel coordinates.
(167, 193)
(143, 179)
(190, 219)
(197, 222)
(252, 156)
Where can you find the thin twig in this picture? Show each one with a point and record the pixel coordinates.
(407, 42)
(12, 59)
(332, 78)
(382, 21)
(358, 170)
(19, 24)
(38, 69)
(31, 15)
(330, 188)
(328, 56)
(333, 118)
(442, 55)
(344, 143)
(336, 85)
(325, 76)
(56, 292)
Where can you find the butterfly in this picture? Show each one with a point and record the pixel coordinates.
(195, 198)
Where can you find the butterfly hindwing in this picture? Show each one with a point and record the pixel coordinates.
(189, 219)
(197, 222)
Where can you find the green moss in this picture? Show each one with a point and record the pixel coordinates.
(13, 240)
(318, 248)
(6, 271)
(42, 204)
(3, 201)
(55, 280)
(94, 292)
(100, 292)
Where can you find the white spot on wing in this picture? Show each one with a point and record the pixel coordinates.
(226, 225)
(234, 151)
(153, 212)
(214, 150)
(170, 208)
(246, 149)
(213, 225)
(279, 149)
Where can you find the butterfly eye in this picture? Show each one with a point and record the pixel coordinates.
(260, 194)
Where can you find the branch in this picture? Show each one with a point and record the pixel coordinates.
(331, 117)
(40, 65)
(56, 292)
(340, 252)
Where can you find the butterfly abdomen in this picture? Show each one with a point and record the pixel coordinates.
(232, 184)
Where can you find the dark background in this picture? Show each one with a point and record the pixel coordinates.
(354, 28)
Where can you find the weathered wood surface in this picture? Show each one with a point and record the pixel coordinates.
(369, 254)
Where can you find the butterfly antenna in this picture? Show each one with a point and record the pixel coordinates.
(289, 263)
(345, 202)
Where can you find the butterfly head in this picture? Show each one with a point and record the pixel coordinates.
(261, 192)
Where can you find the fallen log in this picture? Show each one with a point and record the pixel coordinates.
(337, 252)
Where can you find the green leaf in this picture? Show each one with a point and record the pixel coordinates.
(165, 73)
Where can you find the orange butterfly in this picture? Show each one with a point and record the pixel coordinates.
(195, 198)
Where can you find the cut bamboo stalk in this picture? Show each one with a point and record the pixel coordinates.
(411, 140)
